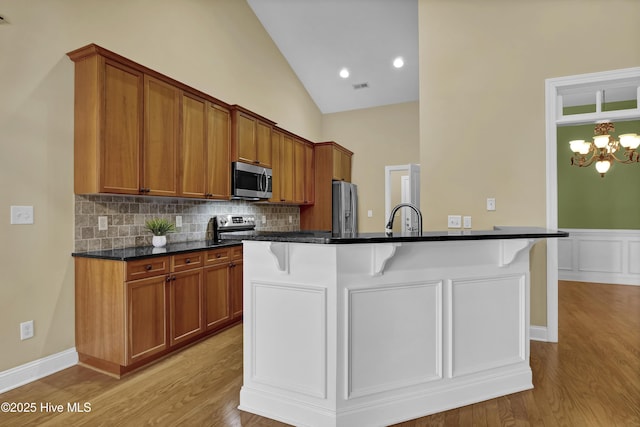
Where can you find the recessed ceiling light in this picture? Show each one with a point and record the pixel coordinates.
(398, 62)
(344, 73)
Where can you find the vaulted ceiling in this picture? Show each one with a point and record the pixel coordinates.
(320, 37)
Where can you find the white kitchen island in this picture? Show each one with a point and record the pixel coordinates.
(371, 330)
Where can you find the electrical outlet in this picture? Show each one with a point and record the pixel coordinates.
(103, 223)
(21, 214)
(26, 330)
(264, 219)
(178, 221)
(370, 213)
(454, 221)
(466, 221)
(290, 219)
(491, 204)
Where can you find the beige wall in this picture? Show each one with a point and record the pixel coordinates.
(216, 46)
(379, 137)
(484, 64)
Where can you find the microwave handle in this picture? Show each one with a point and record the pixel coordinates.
(262, 185)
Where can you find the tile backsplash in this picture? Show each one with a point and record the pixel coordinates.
(126, 216)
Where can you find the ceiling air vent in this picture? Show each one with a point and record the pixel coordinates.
(361, 85)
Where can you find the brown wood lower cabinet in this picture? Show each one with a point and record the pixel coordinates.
(131, 313)
(185, 306)
(146, 318)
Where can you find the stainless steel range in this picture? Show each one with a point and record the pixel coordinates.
(231, 222)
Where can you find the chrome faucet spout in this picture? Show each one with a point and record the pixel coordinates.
(389, 227)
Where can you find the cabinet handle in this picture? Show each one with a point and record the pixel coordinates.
(188, 260)
(218, 255)
(173, 278)
(148, 267)
(167, 279)
(208, 195)
(256, 162)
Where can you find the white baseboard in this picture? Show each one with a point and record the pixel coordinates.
(538, 333)
(32, 371)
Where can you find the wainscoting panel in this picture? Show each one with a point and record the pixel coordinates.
(600, 256)
(399, 314)
(299, 362)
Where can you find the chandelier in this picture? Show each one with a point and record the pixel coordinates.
(603, 149)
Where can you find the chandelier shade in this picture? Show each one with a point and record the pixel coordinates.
(603, 149)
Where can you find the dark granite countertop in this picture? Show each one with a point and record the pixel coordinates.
(129, 254)
(326, 237)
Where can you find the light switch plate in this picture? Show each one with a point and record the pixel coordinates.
(491, 204)
(466, 221)
(178, 221)
(21, 214)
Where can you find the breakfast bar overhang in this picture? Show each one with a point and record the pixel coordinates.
(372, 330)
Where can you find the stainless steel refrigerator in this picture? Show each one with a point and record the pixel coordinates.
(345, 207)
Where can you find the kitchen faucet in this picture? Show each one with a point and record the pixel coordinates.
(389, 227)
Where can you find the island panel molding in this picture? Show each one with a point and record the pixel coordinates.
(398, 313)
(290, 355)
(482, 338)
(446, 325)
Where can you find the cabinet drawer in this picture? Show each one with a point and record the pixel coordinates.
(187, 261)
(147, 267)
(218, 256)
(236, 252)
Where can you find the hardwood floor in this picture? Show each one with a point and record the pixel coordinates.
(591, 378)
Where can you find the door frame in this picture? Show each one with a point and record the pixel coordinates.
(554, 118)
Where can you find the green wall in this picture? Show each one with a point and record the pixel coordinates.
(585, 200)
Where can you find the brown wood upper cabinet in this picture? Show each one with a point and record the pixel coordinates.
(140, 132)
(108, 120)
(205, 150)
(332, 162)
(341, 163)
(293, 169)
(160, 146)
(251, 138)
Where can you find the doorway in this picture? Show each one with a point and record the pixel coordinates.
(557, 93)
(402, 185)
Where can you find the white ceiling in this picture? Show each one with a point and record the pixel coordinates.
(319, 37)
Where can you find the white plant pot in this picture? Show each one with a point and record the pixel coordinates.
(159, 241)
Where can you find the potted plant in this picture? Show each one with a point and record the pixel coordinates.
(159, 227)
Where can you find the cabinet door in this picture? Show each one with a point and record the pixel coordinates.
(299, 173)
(217, 306)
(287, 169)
(309, 175)
(193, 147)
(246, 137)
(146, 318)
(185, 298)
(235, 284)
(122, 130)
(346, 166)
(160, 156)
(276, 166)
(218, 170)
(263, 144)
(341, 165)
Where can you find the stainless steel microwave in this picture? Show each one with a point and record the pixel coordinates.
(251, 181)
